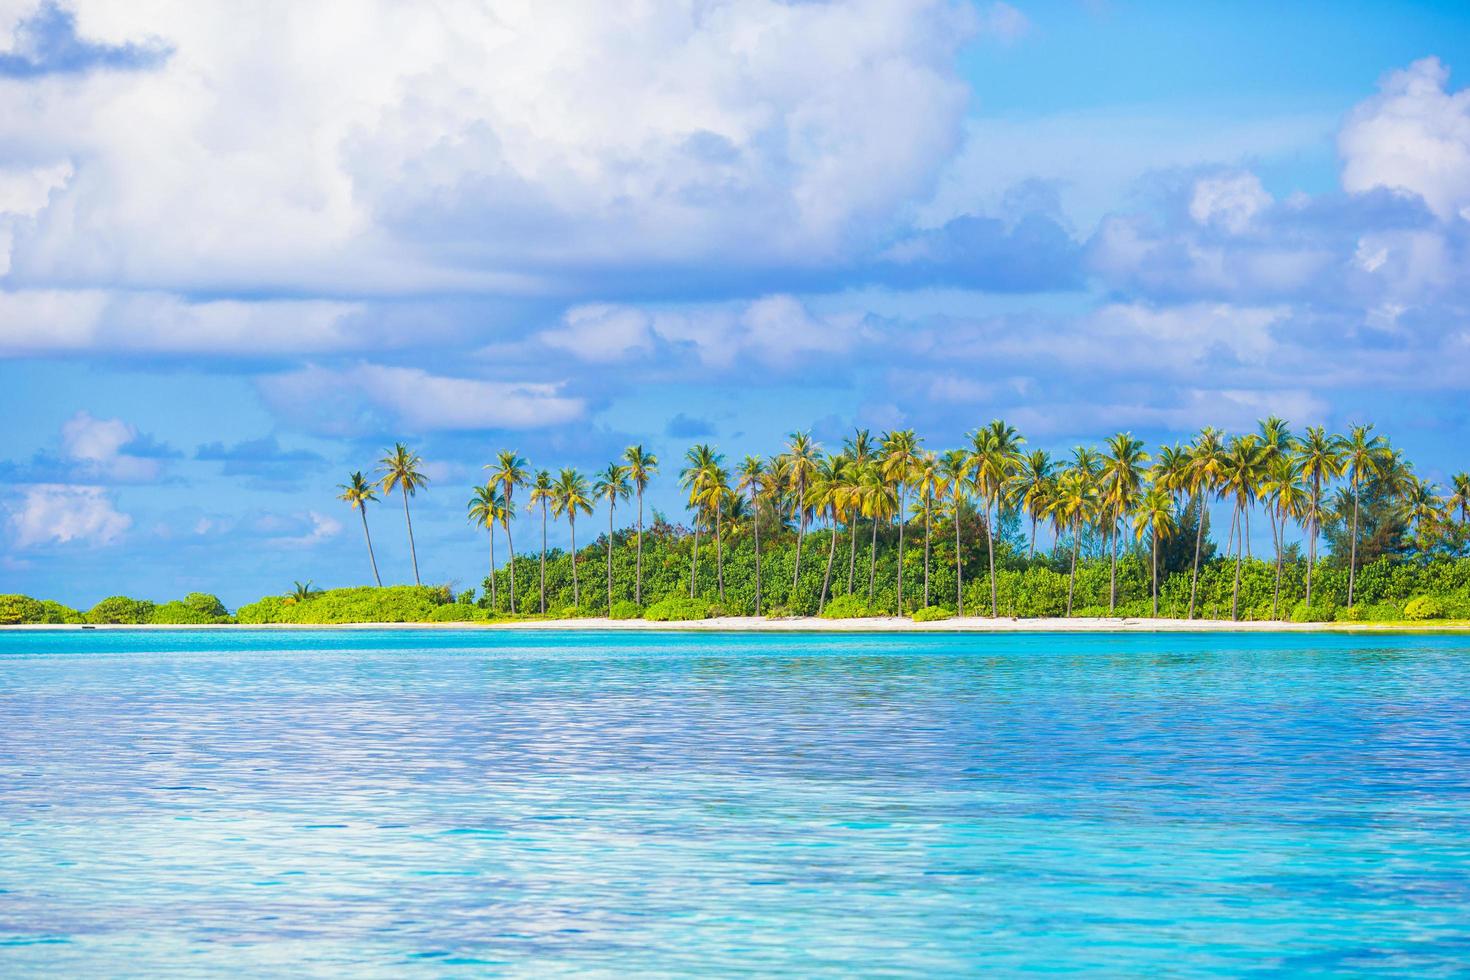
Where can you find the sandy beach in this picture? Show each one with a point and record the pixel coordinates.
(878, 624)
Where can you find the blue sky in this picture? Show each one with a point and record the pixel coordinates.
(238, 260)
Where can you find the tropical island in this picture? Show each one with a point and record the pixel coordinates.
(884, 527)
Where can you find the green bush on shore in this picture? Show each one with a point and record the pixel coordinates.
(846, 607)
(932, 614)
(678, 609)
(626, 609)
(391, 604)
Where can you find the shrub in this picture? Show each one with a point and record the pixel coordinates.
(626, 609)
(121, 609)
(206, 605)
(1351, 614)
(569, 612)
(932, 614)
(458, 612)
(778, 612)
(16, 609)
(391, 604)
(55, 613)
(845, 607)
(179, 614)
(677, 610)
(1424, 607)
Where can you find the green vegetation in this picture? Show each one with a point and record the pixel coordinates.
(932, 614)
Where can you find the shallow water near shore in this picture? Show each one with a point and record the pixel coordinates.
(449, 803)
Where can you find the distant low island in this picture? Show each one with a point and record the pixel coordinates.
(885, 528)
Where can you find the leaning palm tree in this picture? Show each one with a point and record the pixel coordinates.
(1205, 456)
(928, 483)
(1154, 517)
(1031, 490)
(860, 450)
(801, 453)
(611, 485)
(995, 457)
(485, 509)
(571, 497)
(752, 481)
(954, 470)
(1121, 483)
(357, 491)
(402, 470)
(900, 457)
(509, 470)
(641, 467)
(1364, 457)
(1320, 457)
(827, 497)
(543, 492)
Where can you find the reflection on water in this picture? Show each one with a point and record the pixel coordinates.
(447, 803)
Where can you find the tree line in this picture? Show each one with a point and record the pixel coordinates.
(1352, 488)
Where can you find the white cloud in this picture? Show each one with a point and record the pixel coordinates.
(56, 513)
(1228, 200)
(1414, 136)
(354, 399)
(322, 528)
(99, 445)
(1004, 21)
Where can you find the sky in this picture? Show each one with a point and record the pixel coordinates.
(244, 252)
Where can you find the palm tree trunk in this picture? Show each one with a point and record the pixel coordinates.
(610, 510)
(719, 554)
(928, 505)
(800, 534)
(901, 523)
(371, 557)
(1113, 572)
(1235, 591)
(413, 552)
(1032, 552)
(852, 526)
(990, 549)
(959, 566)
(576, 590)
(827, 578)
(755, 511)
(1155, 543)
(1353, 553)
(638, 572)
(543, 557)
(1199, 537)
(694, 559)
(872, 562)
(1072, 577)
(1312, 534)
(494, 601)
(511, 547)
(1276, 535)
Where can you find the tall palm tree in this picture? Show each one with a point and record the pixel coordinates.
(1122, 480)
(509, 470)
(487, 508)
(928, 482)
(1205, 456)
(878, 503)
(1320, 457)
(828, 497)
(611, 485)
(1286, 499)
(701, 462)
(713, 498)
(403, 470)
(995, 456)
(954, 470)
(861, 450)
(641, 467)
(1072, 505)
(900, 457)
(1364, 456)
(571, 496)
(1154, 517)
(1240, 475)
(1459, 498)
(1031, 489)
(543, 492)
(801, 454)
(357, 491)
(752, 481)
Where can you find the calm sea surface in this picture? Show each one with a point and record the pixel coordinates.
(406, 804)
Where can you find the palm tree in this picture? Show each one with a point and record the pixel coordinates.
(641, 467)
(861, 450)
(713, 498)
(701, 462)
(509, 470)
(357, 491)
(1031, 489)
(1459, 498)
(1072, 505)
(1286, 499)
(878, 503)
(1205, 456)
(1320, 457)
(827, 496)
(1363, 456)
(801, 452)
(543, 492)
(954, 470)
(996, 453)
(402, 470)
(1154, 517)
(301, 592)
(927, 483)
(900, 457)
(486, 508)
(612, 484)
(571, 496)
(1240, 474)
(752, 480)
(1122, 479)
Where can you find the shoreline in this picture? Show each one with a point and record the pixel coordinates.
(813, 624)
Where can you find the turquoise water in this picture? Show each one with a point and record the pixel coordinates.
(407, 804)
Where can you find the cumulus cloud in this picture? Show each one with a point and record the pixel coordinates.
(1414, 135)
(46, 43)
(53, 513)
(370, 398)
